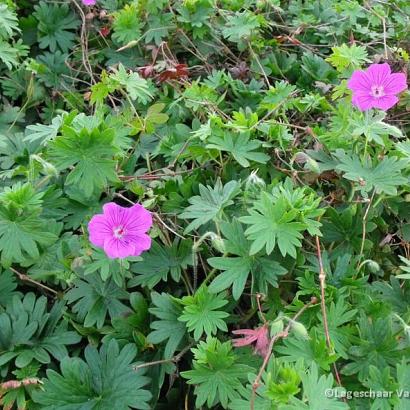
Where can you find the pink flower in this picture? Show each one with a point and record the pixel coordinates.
(259, 335)
(121, 232)
(89, 2)
(376, 87)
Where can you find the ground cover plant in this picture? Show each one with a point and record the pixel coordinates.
(204, 204)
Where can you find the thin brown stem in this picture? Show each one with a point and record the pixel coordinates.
(278, 336)
(364, 222)
(174, 359)
(322, 281)
(25, 278)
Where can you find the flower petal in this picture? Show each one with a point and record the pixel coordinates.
(116, 248)
(395, 84)
(363, 102)
(138, 219)
(99, 229)
(359, 82)
(386, 102)
(141, 244)
(378, 73)
(115, 214)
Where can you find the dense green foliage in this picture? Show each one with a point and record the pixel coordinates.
(231, 121)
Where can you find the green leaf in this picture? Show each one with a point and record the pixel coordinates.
(316, 393)
(343, 57)
(160, 261)
(240, 25)
(167, 328)
(201, 313)
(22, 230)
(209, 204)
(7, 286)
(8, 22)
(404, 268)
(93, 299)
(385, 177)
(159, 26)
(313, 351)
(373, 128)
(374, 347)
(43, 133)
(236, 270)
(279, 94)
(89, 155)
(403, 380)
(136, 86)
(216, 375)
(127, 25)
(30, 332)
(338, 317)
(9, 54)
(273, 223)
(105, 380)
(56, 26)
(240, 147)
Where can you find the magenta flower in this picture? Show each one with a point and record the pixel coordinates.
(121, 232)
(259, 335)
(376, 87)
(89, 2)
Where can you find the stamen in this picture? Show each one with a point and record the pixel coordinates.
(119, 232)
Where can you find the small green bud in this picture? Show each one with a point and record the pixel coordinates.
(218, 243)
(300, 329)
(373, 266)
(276, 327)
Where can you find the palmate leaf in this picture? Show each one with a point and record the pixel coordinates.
(90, 153)
(8, 22)
(338, 317)
(236, 269)
(240, 25)
(167, 328)
(104, 381)
(127, 24)
(136, 86)
(93, 299)
(201, 313)
(345, 227)
(9, 54)
(312, 350)
(373, 128)
(403, 381)
(216, 375)
(43, 133)
(344, 56)
(241, 148)
(385, 177)
(160, 261)
(56, 23)
(7, 287)
(374, 347)
(272, 223)
(30, 332)
(209, 204)
(395, 293)
(315, 391)
(117, 269)
(21, 236)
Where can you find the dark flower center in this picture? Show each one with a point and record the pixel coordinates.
(377, 91)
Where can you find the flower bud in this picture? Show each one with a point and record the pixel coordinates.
(217, 242)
